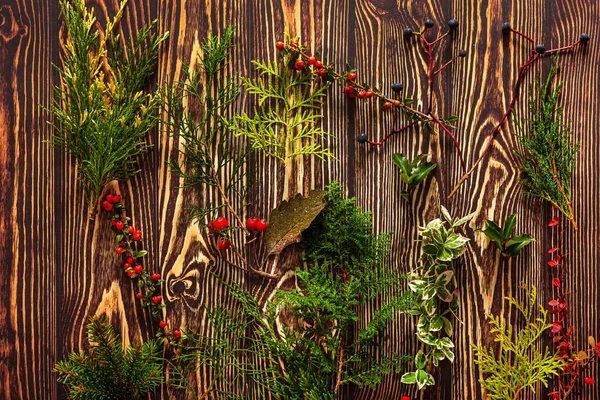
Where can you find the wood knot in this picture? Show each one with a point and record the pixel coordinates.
(9, 27)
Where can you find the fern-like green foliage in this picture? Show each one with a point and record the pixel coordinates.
(549, 152)
(518, 365)
(284, 123)
(108, 371)
(328, 345)
(100, 110)
(197, 110)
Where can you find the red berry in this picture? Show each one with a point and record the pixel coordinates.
(280, 45)
(221, 223)
(351, 76)
(349, 90)
(262, 225)
(110, 198)
(299, 65)
(368, 94)
(156, 299)
(176, 334)
(139, 296)
(318, 64)
(138, 269)
(130, 260)
(131, 230)
(294, 44)
(126, 266)
(107, 206)
(120, 225)
(130, 273)
(321, 72)
(211, 228)
(405, 397)
(312, 60)
(137, 237)
(387, 105)
(223, 244)
(251, 224)
(162, 324)
(155, 277)
(113, 222)
(137, 232)
(119, 250)
(361, 94)
(589, 380)
(116, 199)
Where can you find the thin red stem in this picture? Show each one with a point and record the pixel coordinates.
(565, 48)
(523, 36)
(492, 135)
(395, 131)
(437, 121)
(440, 38)
(443, 67)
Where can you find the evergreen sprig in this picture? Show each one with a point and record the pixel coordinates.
(549, 152)
(284, 123)
(109, 371)
(101, 112)
(518, 365)
(197, 108)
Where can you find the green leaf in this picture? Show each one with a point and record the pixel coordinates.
(437, 324)
(421, 172)
(514, 246)
(494, 232)
(446, 214)
(409, 378)
(444, 278)
(291, 218)
(509, 226)
(401, 162)
(139, 254)
(420, 360)
(464, 220)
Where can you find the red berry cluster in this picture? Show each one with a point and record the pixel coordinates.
(256, 224)
(300, 64)
(577, 360)
(219, 227)
(128, 243)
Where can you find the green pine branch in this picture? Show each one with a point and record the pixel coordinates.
(109, 371)
(548, 151)
(197, 109)
(284, 123)
(518, 365)
(101, 112)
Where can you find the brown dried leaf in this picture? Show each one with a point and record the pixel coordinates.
(291, 218)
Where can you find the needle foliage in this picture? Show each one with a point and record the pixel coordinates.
(101, 111)
(548, 151)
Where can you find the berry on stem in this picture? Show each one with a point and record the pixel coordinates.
(506, 28)
(126, 266)
(368, 94)
(361, 138)
(221, 223)
(360, 94)
(408, 33)
(109, 198)
(119, 225)
(262, 225)
(139, 296)
(251, 223)
(396, 87)
(540, 49)
(387, 105)
(453, 24)
(177, 334)
(429, 23)
(299, 65)
(137, 269)
(462, 53)
(107, 205)
(349, 90)
(156, 299)
(321, 72)
(589, 380)
(130, 260)
(318, 64)
(155, 277)
(130, 273)
(280, 45)
(223, 243)
(312, 60)
(351, 76)
(162, 324)
(131, 230)
(116, 198)
(584, 38)
(119, 250)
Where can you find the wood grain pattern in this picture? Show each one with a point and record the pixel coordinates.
(58, 268)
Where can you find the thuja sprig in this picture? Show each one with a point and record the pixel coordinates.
(284, 123)
(537, 52)
(433, 286)
(577, 361)
(101, 112)
(396, 102)
(109, 371)
(549, 152)
(197, 109)
(129, 241)
(518, 365)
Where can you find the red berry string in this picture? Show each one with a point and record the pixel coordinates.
(129, 241)
(537, 52)
(354, 89)
(577, 360)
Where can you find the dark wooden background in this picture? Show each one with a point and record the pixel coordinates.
(58, 268)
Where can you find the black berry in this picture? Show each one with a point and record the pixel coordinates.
(362, 137)
(540, 49)
(408, 33)
(396, 87)
(506, 28)
(584, 38)
(462, 53)
(429, 23)
(453, 24)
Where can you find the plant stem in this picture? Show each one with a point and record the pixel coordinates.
(562, 191)
(393, 132)
(338, 380)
